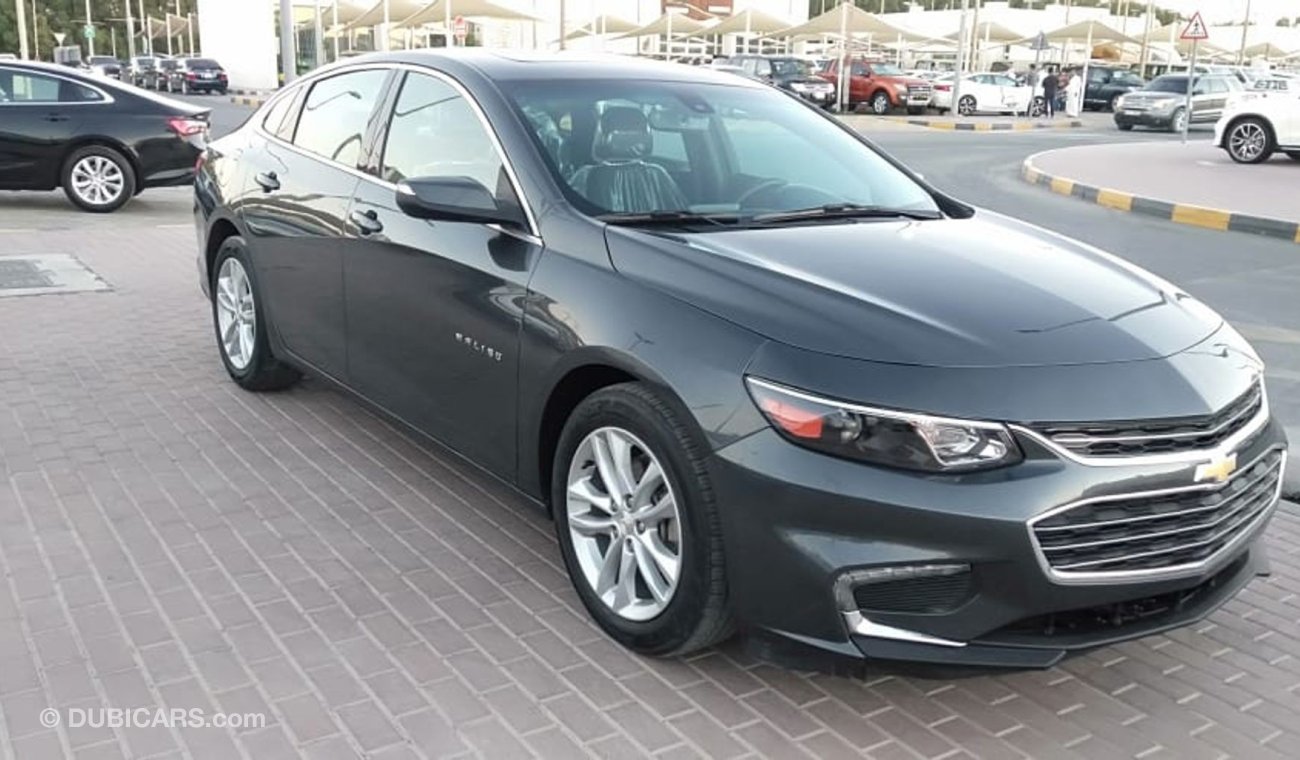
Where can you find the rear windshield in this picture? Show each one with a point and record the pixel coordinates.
(94, 59)
(203, 63)
(1168, 84)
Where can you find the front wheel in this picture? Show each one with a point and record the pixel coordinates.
(637, 523)
(1179, 121)
(240, 322)
(880, 103)
(1114, 103)
(1125, 127)
(1248, 141)
(966, 106)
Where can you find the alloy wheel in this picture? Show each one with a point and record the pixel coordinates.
(1247, 141)
(236, 313)
(624, 523)
(880, 104)
(1180, 120)
(966, 106)
(97, 180)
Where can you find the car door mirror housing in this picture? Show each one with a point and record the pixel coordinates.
(454, 199)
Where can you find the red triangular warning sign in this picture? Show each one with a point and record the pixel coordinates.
(1195, 29)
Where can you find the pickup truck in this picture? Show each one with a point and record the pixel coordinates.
(883, 87)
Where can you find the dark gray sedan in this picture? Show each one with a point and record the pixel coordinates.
(763, 376)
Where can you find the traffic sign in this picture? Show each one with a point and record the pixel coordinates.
(89, 31)
(460, 28)
(1195, 29)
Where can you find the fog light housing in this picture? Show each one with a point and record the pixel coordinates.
(927, 589)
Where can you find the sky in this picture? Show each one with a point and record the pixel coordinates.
(1223, 11)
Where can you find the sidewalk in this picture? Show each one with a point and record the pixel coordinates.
(990, 123)
(1193, 184)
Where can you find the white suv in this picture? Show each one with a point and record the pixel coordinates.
(1251, 130)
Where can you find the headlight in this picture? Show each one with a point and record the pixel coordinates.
(798, 86)
(902, 89)
(1119, 102)
(883, 436)
(1164, 105)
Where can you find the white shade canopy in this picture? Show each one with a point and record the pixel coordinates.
(347, 13)
(992, 31)
(397, 10)
(1267, 50)
(1087, 30)
(604, 24)
(676, 23)
(748, 21)
(850, 19)
(440, 10)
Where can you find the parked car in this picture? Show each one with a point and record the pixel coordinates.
(1162, 102)
(141, 69)
(103, 142)
(162, 73)
(756, 371)
(1252, 131)
(788, 73)
(104, 66)
(197, 75)
(983, 93)
(881, 86)
(8, 57)
(1107, 83)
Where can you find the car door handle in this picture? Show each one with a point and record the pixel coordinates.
(367, 221)
(56, 117)
(268, 181)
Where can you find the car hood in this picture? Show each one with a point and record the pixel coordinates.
(981, 292)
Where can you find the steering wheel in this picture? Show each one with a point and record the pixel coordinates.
(784, 195)
(765, 185)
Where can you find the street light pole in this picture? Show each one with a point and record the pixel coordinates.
(961, 55)
(130, 31)
(90, 41)
(288, 57)
(1245, 27)
(22, 27)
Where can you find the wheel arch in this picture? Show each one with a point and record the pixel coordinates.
(85, 141)
(220, 229)
(1268, 127)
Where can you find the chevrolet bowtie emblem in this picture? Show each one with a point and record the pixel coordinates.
(1216, 470)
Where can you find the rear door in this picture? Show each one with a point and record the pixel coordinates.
(39, 113)
(295, 211)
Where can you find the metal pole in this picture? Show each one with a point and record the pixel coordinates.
(148, 30)
(564, 30)
(36, 30)
(1146, 35)
(112, 35)
(446, 22)
(21, 11)
(334, 26)
(178, 13)
(383, 31)
(1245, 27)
(130, 31)
(961, 56)
(842, 83)
(1187, 105)
(1087, 59)
(318, 29)
(288, 45)
(90, 41)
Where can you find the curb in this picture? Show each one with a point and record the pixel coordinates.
(1179, 213)
(254, 93)
(251, 102)
(988, 126)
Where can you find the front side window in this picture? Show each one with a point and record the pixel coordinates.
(337, 111)
(434, 132)
(643, 146)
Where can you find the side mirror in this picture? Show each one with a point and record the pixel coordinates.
(454, 199)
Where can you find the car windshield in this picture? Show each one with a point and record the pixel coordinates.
(633, 146)
(792, 67)
(202, 63)
(1167, 84)
(886, 70)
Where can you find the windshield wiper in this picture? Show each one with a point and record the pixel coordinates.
(667, 218)
(844, 211)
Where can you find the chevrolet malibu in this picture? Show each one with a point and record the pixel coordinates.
(764, 378)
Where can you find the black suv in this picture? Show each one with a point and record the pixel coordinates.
(788, 73)
(1106, 84)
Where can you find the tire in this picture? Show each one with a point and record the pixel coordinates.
(258, 369)
(1113, 105)
(695, 613)
(880, 104)
(915, 110)
(98, 179)
(1125, 127)
(1249, 141)
(1176, 121)
(967, 105)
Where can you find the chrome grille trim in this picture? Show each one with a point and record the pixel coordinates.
(1248, 518)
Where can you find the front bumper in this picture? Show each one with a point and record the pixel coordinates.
(796, 521)
(1159, 119)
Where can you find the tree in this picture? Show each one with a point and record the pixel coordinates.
(68, 17)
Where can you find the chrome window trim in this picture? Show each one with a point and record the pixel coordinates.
(106, 98)
(1225, 447)
(1160, 573)
(533, 235)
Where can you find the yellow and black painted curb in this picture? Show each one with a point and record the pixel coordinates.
(989, 126)
(251, 102)
(1181, 213)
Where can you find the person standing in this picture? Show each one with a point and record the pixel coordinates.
(1049, 94)
(1074, 94)
(1031, 81)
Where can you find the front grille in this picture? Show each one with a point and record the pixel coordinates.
(1127, 534)
(1138, 438)
(925, 594)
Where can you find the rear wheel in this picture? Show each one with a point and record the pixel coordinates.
(966, 106)
(1248, 141)
(637, 524)
(1125, 127)
(240, 323)
(98, 179)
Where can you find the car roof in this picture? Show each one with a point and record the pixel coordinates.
(526, 65)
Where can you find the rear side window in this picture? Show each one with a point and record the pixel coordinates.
(25, 87)
(336, 113)
(275, 121)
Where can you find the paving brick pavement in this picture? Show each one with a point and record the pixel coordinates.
(167, 540)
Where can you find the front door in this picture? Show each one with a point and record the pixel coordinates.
(435, 307)
(295, 210)
(38, 114)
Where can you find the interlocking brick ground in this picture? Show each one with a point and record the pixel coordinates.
(169, 540)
